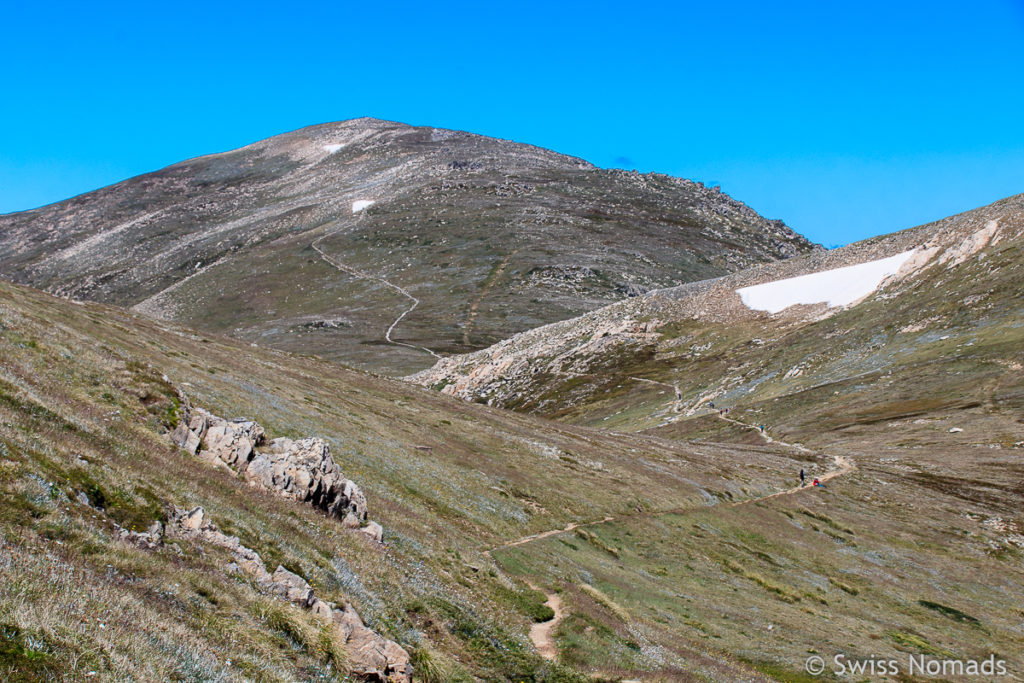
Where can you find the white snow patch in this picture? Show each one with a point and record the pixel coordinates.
(361, 204)
(837, 287)
(331, 149)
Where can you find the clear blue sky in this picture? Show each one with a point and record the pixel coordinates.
(844, 119)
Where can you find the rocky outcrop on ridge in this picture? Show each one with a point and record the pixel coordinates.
(511, 371)
(372, 657)
(150, 539)
(302, 470)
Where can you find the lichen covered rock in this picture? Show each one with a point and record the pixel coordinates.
(300, 469)
(372, 657)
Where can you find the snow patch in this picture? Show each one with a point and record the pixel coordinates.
(331, 149)
(361, 204)
(837, 287)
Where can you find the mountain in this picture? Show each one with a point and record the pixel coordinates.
(379, 244)
(905, 310)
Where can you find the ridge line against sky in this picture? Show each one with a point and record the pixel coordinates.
(846, 122)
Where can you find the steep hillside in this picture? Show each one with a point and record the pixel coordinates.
(932, 315)
(668, 560)
(88, 395)
(378, 244)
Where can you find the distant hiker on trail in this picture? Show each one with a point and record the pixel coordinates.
(802, 482)
(818, 483)
(762, 429)
(711, 404)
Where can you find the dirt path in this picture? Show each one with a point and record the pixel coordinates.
(545, 534)
(843, 466)
(360, 274)
(677, 405)
(542, 633)
(764, 435)
(474, 308)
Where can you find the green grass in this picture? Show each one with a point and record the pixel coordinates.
(918, 644)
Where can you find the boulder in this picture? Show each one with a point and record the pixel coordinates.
(322, 609)
(300, 469)
(231, 441)
(371, 656)
(193, 520)
(374, 531)
(151, 539)
(304, 470)
(293, 587)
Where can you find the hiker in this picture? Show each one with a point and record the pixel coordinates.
(817, 482)
(802, 482)
(711, 404)
(762, 429)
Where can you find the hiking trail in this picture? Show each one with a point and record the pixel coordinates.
(360, 274)
(541, 634)
(474, 307)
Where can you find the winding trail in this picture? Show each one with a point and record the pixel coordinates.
(545, 534)
(677, 405)
(542, 634)
(360, 274)
(764, 435)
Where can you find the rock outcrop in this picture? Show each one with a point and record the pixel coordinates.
(150, 539)
(372, 657)
(302, 469)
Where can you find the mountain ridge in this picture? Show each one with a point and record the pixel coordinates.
(542, 361)
(492, 236)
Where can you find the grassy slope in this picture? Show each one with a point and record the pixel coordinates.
(917, 551)
(82, 408)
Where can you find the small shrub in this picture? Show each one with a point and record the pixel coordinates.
(426, 666)
(951, 612)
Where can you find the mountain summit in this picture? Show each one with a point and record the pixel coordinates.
(380, 244)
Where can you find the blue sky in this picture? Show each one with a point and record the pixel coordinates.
(844, 119)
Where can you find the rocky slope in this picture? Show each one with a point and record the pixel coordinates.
(669, 354)
(377, 243)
